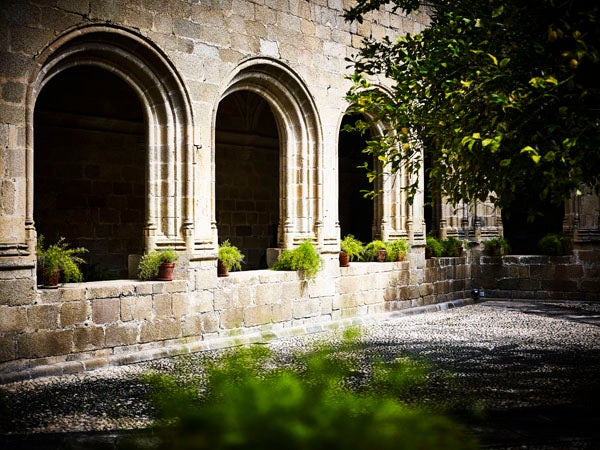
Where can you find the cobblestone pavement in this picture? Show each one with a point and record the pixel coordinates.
(519, 374)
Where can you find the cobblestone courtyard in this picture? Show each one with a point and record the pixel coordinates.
(519, 374)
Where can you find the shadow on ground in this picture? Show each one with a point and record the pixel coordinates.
(509, 393)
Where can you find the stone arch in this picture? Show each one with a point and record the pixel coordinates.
(392, 215)
(167, 114)
(300, 155)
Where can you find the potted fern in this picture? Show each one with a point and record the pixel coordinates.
(375, 250)
(452, 247)
(553, 244)
(396, 250)
(229, 258)
(305, 259)
(496, 246)
(351, 249)
(158, 265)
(58, 261)
(433, 248)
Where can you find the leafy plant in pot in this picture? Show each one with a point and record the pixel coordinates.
(452, 247)
(305, 259)
(229, 258)
(433, 248)
(59, 261)
(376, 250)
(158, 265)
(496, 246)
(553, 244)
(396, 250)
(351, 249)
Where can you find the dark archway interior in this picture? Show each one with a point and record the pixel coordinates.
(523, 234)
(355, 211)
(90, 168)
(432, 209)
(247, 176)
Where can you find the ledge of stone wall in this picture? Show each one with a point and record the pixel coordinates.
(84, 326)
(539, 277)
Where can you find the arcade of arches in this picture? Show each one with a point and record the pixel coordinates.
(137, 128)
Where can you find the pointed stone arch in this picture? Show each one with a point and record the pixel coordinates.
(168, 118)
(300, 154)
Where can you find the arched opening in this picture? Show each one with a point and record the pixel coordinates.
(247, 153)
(432, 206)
(356, 212)
(285, 107)
(522, 232)
(89, 167)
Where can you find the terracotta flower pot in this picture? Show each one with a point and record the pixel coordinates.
(221, 269)
(50, 278)
(427, 253)
(344, 259)
(381, 255)
(165, 272)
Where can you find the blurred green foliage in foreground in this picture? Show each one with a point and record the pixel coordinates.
(324, 400)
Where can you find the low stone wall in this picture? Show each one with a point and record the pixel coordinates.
(89, 325)
(572, 277)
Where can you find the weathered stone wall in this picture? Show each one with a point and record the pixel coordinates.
(572, 277)
(88, 325)
(181, 58)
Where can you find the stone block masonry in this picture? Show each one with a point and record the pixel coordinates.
(119, 123)
(571, 277)
(117, 322)
(90, 325)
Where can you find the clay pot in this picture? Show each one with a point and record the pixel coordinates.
(344, 259)
(381, 255)
(221, 269)
(165, 272)
(50, 278)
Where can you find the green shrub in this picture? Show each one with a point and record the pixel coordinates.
(496, 246)
(396, 249)
(451, 246)
(352, 247)
(372, 249)
(150, 262)
(60, 256)
(305, 258)
(553, 244)
(230, 256)
(435, 246)
(248, 402)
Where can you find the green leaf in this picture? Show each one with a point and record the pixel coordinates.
(505, 162)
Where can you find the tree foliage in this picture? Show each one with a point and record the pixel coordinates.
(503, 95)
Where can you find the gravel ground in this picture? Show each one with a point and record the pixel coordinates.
(519, 374)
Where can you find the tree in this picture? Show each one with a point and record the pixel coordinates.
(503, 95)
